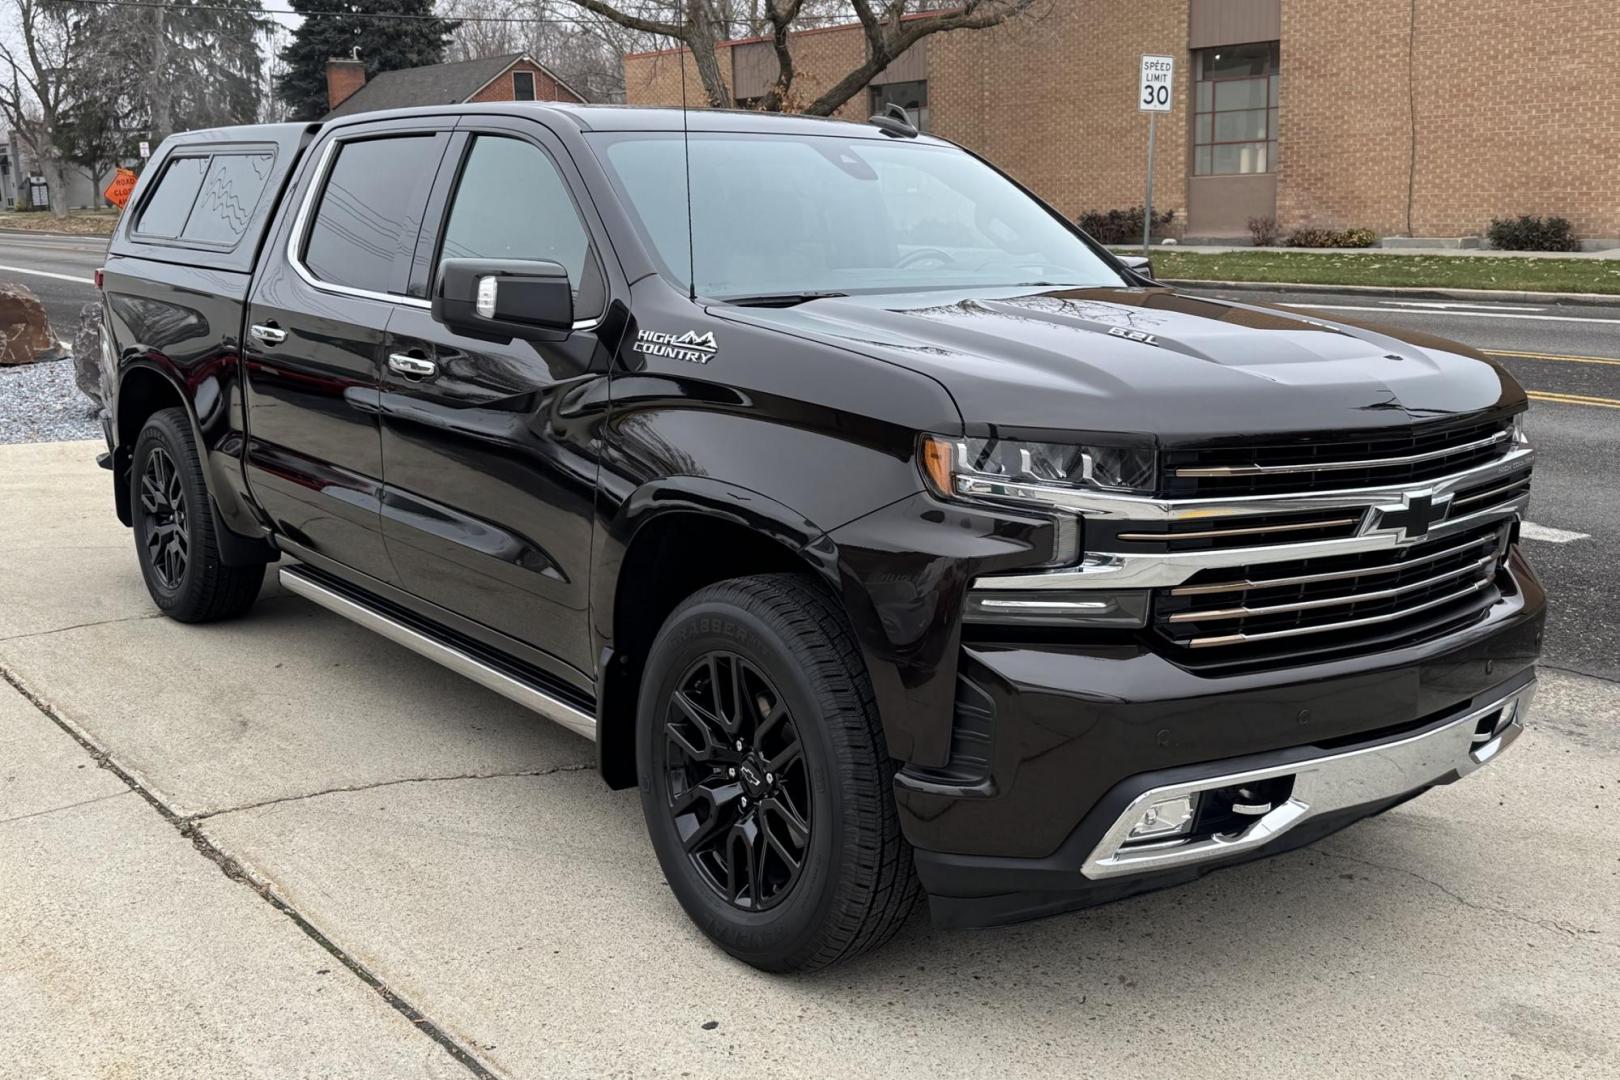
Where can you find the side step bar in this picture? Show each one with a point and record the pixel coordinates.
(458, 660)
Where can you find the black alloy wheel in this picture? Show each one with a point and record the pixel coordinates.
(163, 521)
(765, 779)
(176, 539)
(739, 792)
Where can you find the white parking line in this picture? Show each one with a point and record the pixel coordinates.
(1532, 531)
(46, 273)
(1460, 314)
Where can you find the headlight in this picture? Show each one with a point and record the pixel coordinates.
(1006, 468)
(1037, 475)
(1521, 437)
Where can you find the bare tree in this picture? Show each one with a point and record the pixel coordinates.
(37, 98)
(889, 28)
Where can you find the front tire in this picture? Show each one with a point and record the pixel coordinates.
(765, 779)
(174, 528)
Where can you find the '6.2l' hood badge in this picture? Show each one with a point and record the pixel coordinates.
(693, 347)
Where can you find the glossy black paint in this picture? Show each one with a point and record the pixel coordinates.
(510, 497)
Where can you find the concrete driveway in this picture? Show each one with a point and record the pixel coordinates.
(282, 847)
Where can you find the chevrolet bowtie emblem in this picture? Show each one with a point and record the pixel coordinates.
(1418, 512)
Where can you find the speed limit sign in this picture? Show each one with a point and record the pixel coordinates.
(1158, 72)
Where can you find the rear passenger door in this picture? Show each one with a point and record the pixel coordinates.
(490, 458)
(314, 343)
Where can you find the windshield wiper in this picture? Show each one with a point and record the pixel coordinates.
(786, 299)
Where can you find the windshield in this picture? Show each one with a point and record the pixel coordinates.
(796, 214)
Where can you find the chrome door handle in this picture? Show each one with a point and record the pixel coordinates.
(412, 367)
(267, 335)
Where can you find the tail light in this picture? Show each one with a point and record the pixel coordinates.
(99, 273)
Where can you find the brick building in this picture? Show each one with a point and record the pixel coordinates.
(1408, 117)
(516, 77)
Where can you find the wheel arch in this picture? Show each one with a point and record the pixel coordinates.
(677, 536)
(144, 388)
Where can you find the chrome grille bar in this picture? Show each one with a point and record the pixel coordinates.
(1332, 601)
(1339, 466)
(1253, 530)
(1312, 579)
(1347, 624)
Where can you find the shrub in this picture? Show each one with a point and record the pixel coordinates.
(1526, 233)
(1123, 226)
(1264, 231)
(1332, 238)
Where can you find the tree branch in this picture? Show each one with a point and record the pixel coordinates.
(885, 43)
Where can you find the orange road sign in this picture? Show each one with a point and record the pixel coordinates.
(117, 192)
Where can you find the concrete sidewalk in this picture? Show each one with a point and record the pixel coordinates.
(383, 822)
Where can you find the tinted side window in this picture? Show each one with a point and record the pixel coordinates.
(166, 211)
(230, 192)
(512, 203)
(366, 222)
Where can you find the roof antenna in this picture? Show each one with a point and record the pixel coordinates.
(686, 152)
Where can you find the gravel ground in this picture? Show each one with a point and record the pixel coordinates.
(41, 403)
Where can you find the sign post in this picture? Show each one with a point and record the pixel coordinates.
(1154, 95)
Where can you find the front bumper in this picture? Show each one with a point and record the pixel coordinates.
(1081, 735)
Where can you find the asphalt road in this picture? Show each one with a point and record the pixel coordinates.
(1567, 356)
(59, 269)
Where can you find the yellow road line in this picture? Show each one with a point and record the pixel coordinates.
(1573, 399)
(1551, 356)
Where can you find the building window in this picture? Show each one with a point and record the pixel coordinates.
(1235, 110)
(910, 96)
(522, 86)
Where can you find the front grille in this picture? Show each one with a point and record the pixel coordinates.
(1334, 604)
(1306, 463)
(1248, 530)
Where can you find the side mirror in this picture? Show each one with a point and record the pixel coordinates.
(502, 299)
(1139, 264)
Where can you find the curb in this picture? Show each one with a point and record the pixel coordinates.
(1404, 292)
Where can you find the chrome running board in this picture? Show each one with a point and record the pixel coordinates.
(457, 660)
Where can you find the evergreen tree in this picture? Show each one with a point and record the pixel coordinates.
(412, 38)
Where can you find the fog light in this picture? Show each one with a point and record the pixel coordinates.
(1169, 817)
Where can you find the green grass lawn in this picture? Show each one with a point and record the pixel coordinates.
(1377, 268)
(78, 222)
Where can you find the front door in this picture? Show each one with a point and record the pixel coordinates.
(315, 337)
(488, 446)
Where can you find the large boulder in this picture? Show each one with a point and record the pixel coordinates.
(87, 352)
(25, 331)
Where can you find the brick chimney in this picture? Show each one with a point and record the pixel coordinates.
(343, 77)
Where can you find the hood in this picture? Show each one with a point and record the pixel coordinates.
(1152, 362)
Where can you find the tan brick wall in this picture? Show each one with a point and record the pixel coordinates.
(1518, 107)
(1051, 99)
(1518, 111)
(655, 78)
(545, 87)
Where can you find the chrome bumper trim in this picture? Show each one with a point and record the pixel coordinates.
(1321, 785)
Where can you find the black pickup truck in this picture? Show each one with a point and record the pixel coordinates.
(890, 534)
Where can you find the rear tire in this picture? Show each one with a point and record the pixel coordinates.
(174, 528)
(765, 779)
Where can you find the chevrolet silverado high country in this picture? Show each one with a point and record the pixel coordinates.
(891, 535)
